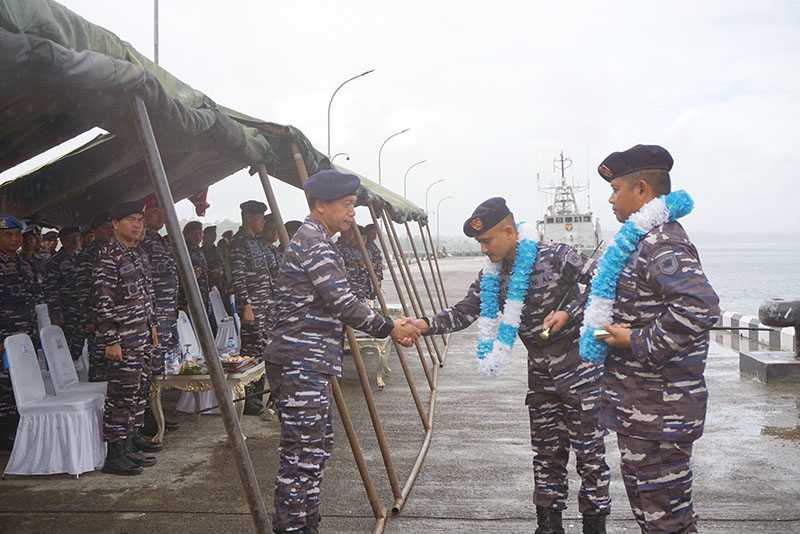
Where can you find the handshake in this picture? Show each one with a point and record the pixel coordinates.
(407, 330)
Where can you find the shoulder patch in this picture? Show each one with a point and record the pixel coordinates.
(667, 264)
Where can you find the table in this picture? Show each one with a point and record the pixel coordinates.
(196, 384)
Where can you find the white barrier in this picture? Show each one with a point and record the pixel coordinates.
(777, 339)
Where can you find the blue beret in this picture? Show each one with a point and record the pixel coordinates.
(486, 216)
(253, 207)
(331, 184)
(7, 222)
(637, 158)
(123, 209)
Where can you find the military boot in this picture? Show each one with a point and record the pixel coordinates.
(145, 445)
(312, 524)
(548, 521)
(594, 523)
(136, 456)
(117, 463)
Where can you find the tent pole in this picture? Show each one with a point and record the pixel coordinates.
(430, 264)
(158, 177)
(403, 303)
(436, 261)
(273, 203)
(416, 302)
(422, 274)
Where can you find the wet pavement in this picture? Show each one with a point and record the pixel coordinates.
(477, 475)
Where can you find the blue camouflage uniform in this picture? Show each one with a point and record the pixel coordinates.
(87, 260)
(63, 297)
(164, 278)
(654, 395)
(563, 390)
(312, 303)
(252, 284)
(357, 273)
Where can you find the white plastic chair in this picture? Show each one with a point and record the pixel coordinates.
(55, 434)
(216, 305)
(62, 369)
(187, 340)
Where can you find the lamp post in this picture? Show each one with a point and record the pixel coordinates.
(428, 191)
(405, 177)
(380, 150)
(438, 210)
(345, 154)
(331, 102)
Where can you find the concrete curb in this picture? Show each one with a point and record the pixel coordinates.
(777, 339)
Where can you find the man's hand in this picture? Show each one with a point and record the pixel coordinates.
(154, 333)
(247, 314)
(114, 352)
(555, 321)
(405, 332)
(619, 336)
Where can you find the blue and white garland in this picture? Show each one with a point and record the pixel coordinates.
(496, 335)
(599, 311)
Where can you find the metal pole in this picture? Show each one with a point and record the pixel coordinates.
(436, 262)
(416, 302)
(438, 210)
(422, 274)
(430, 264)
(158, 177)
(380, 151)
(330, 102)
(385, 309)
(405, 177)
(273, 203)
(403, 302)
(428, 190)
(155, 32)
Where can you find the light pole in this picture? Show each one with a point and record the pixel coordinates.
(331, 102)
(405, 177)
(345, 154)
(428, 191)
(380, 150)
(438, 210)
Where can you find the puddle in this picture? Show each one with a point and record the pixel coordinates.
(789, 434)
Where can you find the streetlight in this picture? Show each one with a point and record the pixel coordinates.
(405, 178)
(331, 102)
(345, 154)
(438, 242)
(380, 151)
(428, 191)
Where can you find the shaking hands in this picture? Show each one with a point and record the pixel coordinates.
(406, 330)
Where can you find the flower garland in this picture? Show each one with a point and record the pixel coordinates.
(600, 308)
(496, 335)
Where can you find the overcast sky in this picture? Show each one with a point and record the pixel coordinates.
(493, 91)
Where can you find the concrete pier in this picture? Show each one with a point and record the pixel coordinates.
(477, 477)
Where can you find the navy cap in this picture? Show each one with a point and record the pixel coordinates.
(252, 207)
(486, 216)
(330, 185)
(68, 230)
(8, 222)
(637, 158)
(123, 209)
(100, 219)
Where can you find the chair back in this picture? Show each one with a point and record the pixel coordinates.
(187, 340)
(26, 377)
(59, 360)
(227, 340)
(216, 305)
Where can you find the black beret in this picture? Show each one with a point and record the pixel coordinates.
(269, 218)
(637, 158)
(68, 230)
(50, 236)
(211, 228)
(330, 185)
(123, 209)
(253, 207)
(100, 219)
(486, 216)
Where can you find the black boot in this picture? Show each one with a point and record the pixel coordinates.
(136, 456)
(254, 405)
(145, 445)
(312, 524)
(117, 463)
(549, 521)
(594, 523)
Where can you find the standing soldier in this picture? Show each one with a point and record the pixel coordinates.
(87, 260)
(193, 235)
(269, 235)
(312, 300)
(62, 292)
(49, 243)
(357, 274)
(252, 285)
(30, 253)
(17, 301)
(216, 270)
(124, 310)
(224, 247)
(374, 251)
(563, 391)
(654, 393)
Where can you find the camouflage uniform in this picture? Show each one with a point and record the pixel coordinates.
(273, 260)
(17, 301)
(122, 303)
(87, 260)
(252, 284)
(164, 277)
(312, 300)
(654, 395)
(563, 390)
(201, 274)
(376, 257)
(63, 298)
(216, 269)
(37, 264)
(357, 273)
